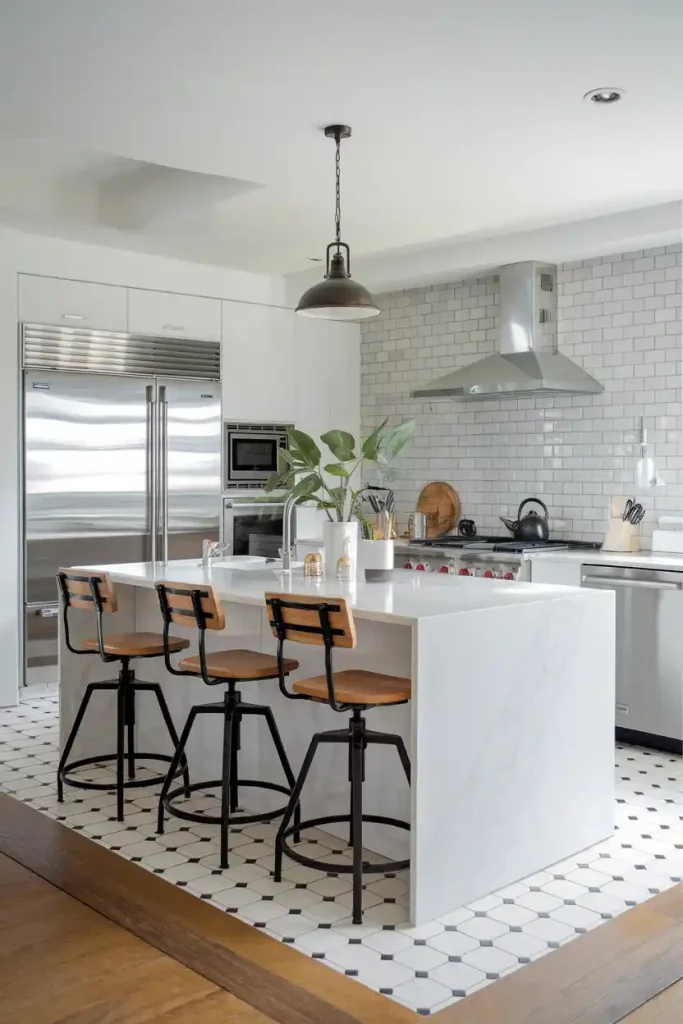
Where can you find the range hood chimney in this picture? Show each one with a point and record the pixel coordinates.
(527, 361)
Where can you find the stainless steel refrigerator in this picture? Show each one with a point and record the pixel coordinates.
(119, 466)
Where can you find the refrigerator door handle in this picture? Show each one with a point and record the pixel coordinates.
(152, 470)
(163, 469)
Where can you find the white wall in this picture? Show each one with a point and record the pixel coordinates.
(35, 254)
(619, 316)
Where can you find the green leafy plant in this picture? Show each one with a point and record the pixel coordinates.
(305, 474)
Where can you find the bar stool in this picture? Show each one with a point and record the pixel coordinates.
(94, 591)
(189, 605)
(328, 622)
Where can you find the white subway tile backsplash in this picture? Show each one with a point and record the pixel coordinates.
(618, 316)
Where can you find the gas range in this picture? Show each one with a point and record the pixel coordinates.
(487, 557)
(500, 544)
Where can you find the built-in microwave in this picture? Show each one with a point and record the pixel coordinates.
(252, 453)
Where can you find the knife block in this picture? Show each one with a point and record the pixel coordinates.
(621, 535)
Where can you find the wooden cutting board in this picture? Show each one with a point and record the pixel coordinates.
(441, 504)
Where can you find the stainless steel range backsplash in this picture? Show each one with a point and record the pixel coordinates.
(619, 317)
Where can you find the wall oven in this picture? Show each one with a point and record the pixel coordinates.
(254, 525)
(252, 453)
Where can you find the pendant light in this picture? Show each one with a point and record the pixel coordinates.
(338, 297)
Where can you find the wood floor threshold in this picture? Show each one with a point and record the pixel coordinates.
(599, 978)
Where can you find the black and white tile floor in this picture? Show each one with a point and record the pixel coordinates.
(425, 968)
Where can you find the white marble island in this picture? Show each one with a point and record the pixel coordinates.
(510, 728)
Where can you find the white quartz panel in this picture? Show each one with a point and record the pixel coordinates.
(515, 734)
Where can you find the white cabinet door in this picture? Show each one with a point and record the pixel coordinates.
(54, 301)
(311, 377)
(344, 371)
(327, 375)
(258, 363)
(167, 314)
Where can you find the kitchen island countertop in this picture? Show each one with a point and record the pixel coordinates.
(408, 598)
(510, 681)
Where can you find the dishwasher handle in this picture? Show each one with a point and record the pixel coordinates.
(604, 581)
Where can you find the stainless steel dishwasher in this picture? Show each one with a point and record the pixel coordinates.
(649, 655)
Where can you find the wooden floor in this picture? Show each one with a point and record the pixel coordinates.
(86, 937)
(666, 1008)
(62, 962)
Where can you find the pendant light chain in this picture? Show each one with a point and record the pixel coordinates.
(337, 208)
(337, 296)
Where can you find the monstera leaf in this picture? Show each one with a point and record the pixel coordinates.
(341, 444)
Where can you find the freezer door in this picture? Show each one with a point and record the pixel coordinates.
(190, 465)
(86, 472)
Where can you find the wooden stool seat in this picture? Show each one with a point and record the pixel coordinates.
(357, 686)
(238, 665)
(136, 645)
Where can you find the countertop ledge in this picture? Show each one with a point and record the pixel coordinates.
(634, 560)
(409, 598)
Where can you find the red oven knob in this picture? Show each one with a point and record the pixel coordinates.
(509, 576)
(464, 572)
(443, 568)
(488, 575)
(420, 567)
(407, 565)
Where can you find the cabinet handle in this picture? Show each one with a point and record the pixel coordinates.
(606, 581)
(72, 316)
(173, 327)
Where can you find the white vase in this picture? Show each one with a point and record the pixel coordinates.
(376, 558)
(340, 539)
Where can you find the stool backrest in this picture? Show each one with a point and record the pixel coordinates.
(85, 588)
(92, 591)
(190, 605)
(323, 621)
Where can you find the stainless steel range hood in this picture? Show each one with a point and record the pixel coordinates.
(527, 361)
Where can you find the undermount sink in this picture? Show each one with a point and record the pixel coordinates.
(253, 563)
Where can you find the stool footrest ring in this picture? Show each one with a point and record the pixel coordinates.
(127, 784)
(237, 818)
(343, 819)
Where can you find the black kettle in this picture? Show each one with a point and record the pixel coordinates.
(532, 526)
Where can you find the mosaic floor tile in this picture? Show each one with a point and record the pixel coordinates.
(425, 968)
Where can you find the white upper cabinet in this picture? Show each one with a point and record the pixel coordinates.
(54, 301)
(258, 364)
(344, 376)
(327, 361)
(166, 314)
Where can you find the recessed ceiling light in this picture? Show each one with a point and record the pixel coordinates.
(604, 96)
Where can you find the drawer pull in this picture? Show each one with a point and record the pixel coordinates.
(72, 316)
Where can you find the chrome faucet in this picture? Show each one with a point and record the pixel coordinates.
(212, 549)
(287, 518)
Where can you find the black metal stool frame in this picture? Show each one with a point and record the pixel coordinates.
(233, 709)
(126, 686)
(357, 736)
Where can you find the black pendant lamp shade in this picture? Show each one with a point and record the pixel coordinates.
(338, 296)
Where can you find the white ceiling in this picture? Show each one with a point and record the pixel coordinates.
(468, 119)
